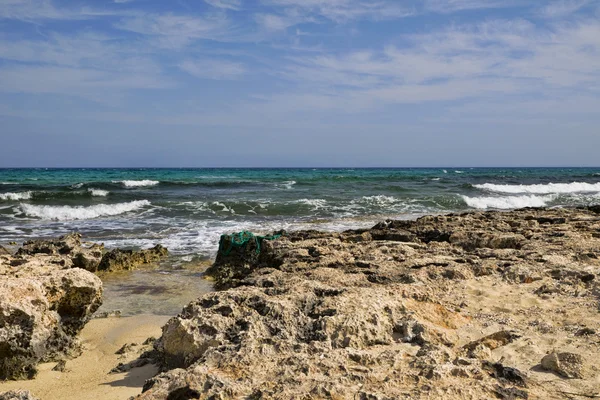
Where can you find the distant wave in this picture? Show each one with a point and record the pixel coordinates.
(16, 196)
(66, 213)
(316, 203)
(286, 185)
(379, 200)
(98, 192)
(575, 187)
(142, 183)
(508, 202)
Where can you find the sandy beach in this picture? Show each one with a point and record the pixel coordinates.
(87, 376)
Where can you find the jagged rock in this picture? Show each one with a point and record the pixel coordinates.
(60, 366)
(117, 259)
(17, 395)
(493, 341)
(568, 365)
(64, 245)
(42, 308)
(70, 247)
(390, 312)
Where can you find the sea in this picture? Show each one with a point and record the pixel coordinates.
(186, 210)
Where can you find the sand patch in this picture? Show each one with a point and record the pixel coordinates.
(87, 377)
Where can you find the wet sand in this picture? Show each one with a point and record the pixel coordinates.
(87, 376)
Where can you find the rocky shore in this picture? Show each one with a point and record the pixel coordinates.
(473, 306)
(480, 305)
(48, 292)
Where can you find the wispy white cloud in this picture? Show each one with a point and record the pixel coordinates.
(563, 8)
(40, 10)
(345, 10)
(176, 31)
(213, 69)
(227, 4)
(451, 6)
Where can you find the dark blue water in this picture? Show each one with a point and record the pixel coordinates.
(188, 209)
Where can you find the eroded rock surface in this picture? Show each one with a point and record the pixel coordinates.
(444, 307)
(43, 305)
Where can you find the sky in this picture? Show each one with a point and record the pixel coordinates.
(299, 83)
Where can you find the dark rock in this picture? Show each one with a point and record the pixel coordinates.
(510, 393)
(117, 259)
(506, 374)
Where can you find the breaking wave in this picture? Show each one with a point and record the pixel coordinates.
(16, 196)
(66, 213)
(142, 183)
(506, 203)
(574, 187)
(98, 192)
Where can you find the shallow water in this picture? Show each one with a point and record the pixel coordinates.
(161, 291)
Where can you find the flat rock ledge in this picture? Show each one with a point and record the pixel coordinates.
(444, 307)
(48, 292)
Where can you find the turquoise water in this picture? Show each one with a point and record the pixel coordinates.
(188, 209)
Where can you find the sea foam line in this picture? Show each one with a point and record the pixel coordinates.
(574, 187)
(508, 202)
(16, 196)
(145, 182)
(66, 213)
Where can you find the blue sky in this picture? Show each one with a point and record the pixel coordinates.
(299, 83)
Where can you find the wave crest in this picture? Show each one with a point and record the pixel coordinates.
(98, 192)
(16, 196)
(574, 187)
(66, 213)
(142, 183)
(508, 202)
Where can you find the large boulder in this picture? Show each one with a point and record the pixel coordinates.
(42, 308)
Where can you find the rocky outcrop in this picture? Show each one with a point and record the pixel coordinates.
(117, 259)
(47, 294)
(43, 305)
(92, 257)
(17, 395)
(454, 306)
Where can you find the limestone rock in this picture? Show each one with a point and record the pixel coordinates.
(117, 259)
(398, 311)
(568, 365)
(42, 308)
(17, 395)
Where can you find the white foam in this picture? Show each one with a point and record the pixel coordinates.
(445, 171)
(508, 202)
(435, 179)
(16, 196)
(459, 172)
(574, 187)
(225, 208)
(379, 200)
(316, 203)
(76, 186)
(287, 185)
(145, 182)
(66, 213)
(99, 192)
